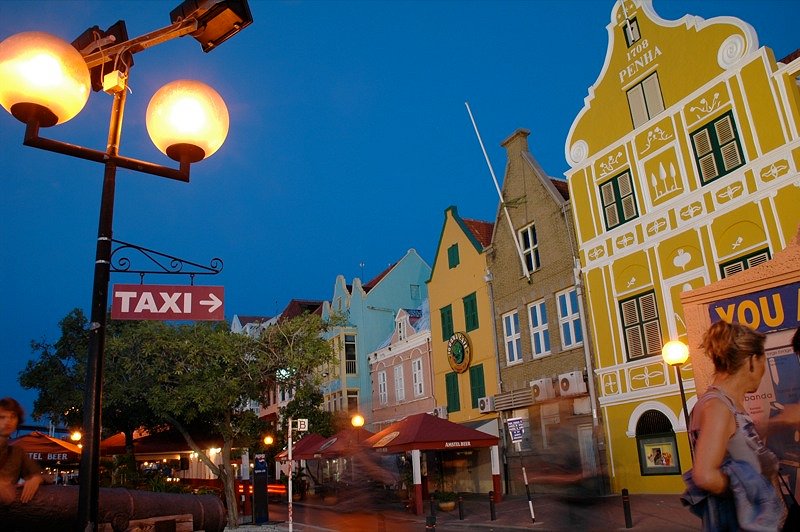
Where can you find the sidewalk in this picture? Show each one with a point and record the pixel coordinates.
(648, 513)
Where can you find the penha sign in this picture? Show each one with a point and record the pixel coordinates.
(165, 302)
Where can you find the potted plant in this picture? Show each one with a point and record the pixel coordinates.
(446, 500)
(330, 495)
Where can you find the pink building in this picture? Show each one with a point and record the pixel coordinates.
(401, 370)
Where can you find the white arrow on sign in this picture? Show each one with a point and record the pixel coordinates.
(213, 303)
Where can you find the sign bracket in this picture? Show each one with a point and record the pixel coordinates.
(158, 263)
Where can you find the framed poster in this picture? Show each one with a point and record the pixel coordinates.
(658, 454)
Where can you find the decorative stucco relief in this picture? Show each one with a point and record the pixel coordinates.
(775, 170)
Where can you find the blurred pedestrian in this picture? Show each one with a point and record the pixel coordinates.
(15, 464)
(734, 480)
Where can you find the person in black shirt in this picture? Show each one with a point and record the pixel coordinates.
(15, 464)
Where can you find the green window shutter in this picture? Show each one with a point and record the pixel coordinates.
(452, 256)
(453, 400)
(743, 263)
(717, 148)
(446, 314)
(641, 327)
(471, 312)
(476, 384)
(619, 200)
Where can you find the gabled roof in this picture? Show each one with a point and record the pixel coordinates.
(791, 57)
(481, 230)
(561, 186)
(244, 320)
(375, 280)
(297, 307)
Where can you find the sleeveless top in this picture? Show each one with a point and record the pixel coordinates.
(745, 444)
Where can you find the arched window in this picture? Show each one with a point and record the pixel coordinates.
(658, 449)
(653, 422)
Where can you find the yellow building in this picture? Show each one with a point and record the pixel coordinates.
(462, 340)
(684, 170)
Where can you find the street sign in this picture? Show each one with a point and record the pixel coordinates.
(302, 425)
(516, 427)
(166, 302)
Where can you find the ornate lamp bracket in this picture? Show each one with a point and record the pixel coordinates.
(157, 263)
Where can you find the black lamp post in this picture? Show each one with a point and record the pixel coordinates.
(45, 81)
(676, 353)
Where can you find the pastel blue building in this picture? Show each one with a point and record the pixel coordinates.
(369, 310)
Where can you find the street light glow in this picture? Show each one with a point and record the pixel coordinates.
(357, 420)
(675, 352)
(187, 112)
(39, 70)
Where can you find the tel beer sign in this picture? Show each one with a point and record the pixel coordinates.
(165, 302)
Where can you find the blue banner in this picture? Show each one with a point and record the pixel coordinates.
(774, 309)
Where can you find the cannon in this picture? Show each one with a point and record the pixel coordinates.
(56, 508)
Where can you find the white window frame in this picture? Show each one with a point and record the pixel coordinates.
(530, 253)
(511, 337)
(541, 331)
(645, 100)
(569, 318)
(399, 384)
(383, 394)
(417, 377)
(401, 330)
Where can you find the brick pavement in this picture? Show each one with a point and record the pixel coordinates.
(654, 513)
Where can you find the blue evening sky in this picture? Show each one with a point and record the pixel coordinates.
(349, 138)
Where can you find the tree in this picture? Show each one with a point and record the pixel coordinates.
(205, 372)
(183, 375)
(58, 372)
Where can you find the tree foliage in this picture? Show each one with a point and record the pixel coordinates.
(184, 375)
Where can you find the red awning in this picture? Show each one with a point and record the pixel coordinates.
(169, 441)
(345, 442)
(308, 442)
(43, 448)
(426, 432)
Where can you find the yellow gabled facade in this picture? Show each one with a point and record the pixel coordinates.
(461, 312)
(684, 169)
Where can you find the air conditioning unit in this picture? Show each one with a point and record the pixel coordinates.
(542, 389)
(440, 411)
(571, 383)
(486, 404)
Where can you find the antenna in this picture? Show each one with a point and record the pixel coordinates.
(500, 195)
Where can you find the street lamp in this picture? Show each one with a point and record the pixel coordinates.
(357, 421)
(261, 485)
(676, 353)
(45, 81)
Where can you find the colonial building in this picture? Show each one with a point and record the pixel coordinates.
(541, 328)
(684, 170)
(369, 313)
(462, 340)
(401, 370)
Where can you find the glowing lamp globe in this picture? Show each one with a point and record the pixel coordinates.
(42, 77)
(268, 440)
(357, 420)
(187, 120)
(675, 352)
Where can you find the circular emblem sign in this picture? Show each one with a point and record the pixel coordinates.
(458, 352)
